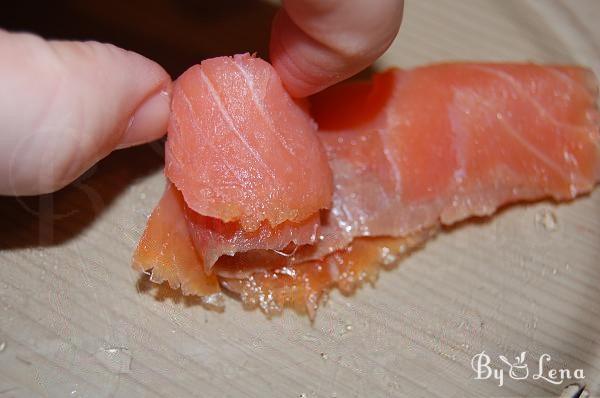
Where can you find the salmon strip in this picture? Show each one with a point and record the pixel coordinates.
(409, 151)
(241, 149)
(167, 249)
(301, 286)
(214, 238)
(446, 142)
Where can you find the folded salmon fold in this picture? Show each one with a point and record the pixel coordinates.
(166, 249)
(240, 149)
(266, 206)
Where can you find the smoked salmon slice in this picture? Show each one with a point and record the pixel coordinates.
(167, 249)
(393, 159)
(446, 142)
(214, 238)
(301, 286)
(241, 149)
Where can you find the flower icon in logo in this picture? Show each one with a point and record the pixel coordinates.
(517, 370)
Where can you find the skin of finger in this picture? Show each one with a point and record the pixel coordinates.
(65, 105)
(316, 43)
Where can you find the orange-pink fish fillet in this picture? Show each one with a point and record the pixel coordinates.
(409, 151)
(240, 149)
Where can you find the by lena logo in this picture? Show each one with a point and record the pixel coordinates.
(519, 370)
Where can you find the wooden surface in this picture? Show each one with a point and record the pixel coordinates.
(77, 321)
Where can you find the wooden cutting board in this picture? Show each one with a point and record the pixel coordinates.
(77, 321)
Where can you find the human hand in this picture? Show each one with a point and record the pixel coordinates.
(65, 105)
(317, 43)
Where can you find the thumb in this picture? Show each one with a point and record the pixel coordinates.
(66, 105)
(317, 43)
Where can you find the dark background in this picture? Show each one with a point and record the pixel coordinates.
(175, 33)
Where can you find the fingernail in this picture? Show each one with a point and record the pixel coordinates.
(149, 122)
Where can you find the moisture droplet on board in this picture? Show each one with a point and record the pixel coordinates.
(547, 219)
(115, 359)
(2, 346)
(216, 300)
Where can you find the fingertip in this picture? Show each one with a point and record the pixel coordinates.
(149, 121)
(143, 97)
(291, 53)
(315, 43)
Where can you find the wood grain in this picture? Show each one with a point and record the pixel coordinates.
(77, 321)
